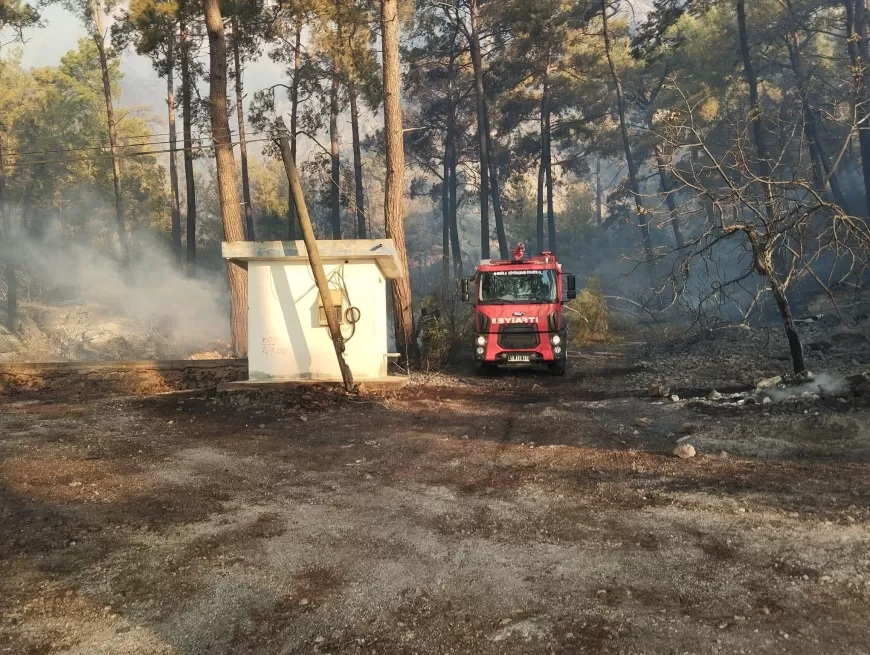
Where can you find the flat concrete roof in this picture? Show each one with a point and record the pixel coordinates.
(383, 251)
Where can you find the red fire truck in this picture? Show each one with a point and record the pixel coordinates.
(518, 321)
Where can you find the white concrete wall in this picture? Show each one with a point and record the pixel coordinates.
(284, 337)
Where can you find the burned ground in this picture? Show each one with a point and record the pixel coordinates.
(518, 514)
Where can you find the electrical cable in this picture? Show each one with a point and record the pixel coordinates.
(105, 146)
(337, 278)
(124, 156)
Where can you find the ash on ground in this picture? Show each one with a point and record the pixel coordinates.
(736, 358)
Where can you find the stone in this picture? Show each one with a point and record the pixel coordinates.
(675, 398)
(767, 400)
(658, 390)
(714, 395)
(684, 451)
(688, 428)
(643, 422)
(769, 383)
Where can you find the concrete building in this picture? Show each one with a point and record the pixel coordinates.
(287, 334)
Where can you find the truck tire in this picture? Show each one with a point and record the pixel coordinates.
(557, 368)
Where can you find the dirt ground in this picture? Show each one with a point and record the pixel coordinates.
(517, 514)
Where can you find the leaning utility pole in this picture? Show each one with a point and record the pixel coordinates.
(314, 254)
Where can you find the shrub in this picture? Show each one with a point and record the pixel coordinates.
(588, 317)
(444, 331)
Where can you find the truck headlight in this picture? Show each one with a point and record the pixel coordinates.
(557, 350)
(481, 340)
(556, 339)
(480, 351)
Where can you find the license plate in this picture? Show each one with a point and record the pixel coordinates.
(519, 358)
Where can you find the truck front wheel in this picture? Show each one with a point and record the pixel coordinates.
(557, 368)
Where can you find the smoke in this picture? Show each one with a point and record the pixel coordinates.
(147, 299)
(823, 384)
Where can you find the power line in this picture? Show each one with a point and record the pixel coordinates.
(200, 137)
(124, 156)
(179, 133)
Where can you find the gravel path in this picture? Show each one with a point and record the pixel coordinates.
(519, 514)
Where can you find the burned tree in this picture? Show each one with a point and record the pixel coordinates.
(784, 229)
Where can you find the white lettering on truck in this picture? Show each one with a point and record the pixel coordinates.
(515, 319)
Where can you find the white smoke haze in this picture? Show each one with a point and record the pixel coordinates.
(823, 384)
(81, 303)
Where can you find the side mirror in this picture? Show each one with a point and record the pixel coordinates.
(571, 286)
(464, 288)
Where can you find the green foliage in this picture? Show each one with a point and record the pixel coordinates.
(57, 141)
(588, 317)
(16, 16)
(444, 332)
(435, 339)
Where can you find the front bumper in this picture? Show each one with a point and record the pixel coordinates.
(542, 354)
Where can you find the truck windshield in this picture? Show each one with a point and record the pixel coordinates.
(505, 287)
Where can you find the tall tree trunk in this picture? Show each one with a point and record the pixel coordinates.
(821, 166)
(755, 109)
(226, 171)
(187, 127)
(99, 39)
(445, 187)
(542, 166)
(445, 204)
(542, 187)
(9, 248)
(394, 184)
(173, 149)
(629, 158)
(665, 183)
(598, 217)
(477, 64)
(334, 155)
(548, 173)
(856, 38)
(494, 190)
(455, 246)
(243, 142)
(359, 197)
(292, 220)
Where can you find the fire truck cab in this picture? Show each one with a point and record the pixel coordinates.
(518, 316)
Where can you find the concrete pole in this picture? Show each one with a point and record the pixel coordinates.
(314, 254)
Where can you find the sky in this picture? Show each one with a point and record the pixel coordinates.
(141, 85)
